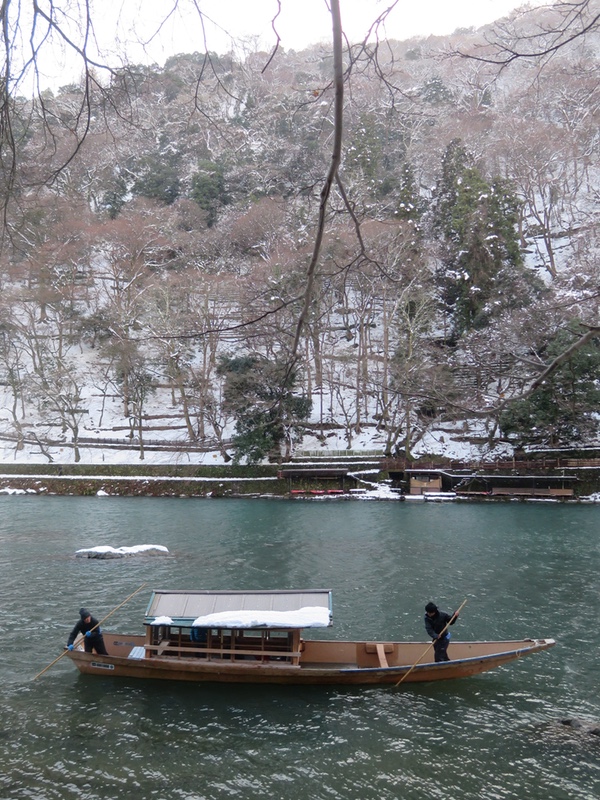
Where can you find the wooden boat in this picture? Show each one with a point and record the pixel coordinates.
(257, 637)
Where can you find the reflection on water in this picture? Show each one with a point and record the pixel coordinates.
(525, 569)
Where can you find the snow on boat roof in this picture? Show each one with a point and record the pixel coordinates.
(307, 608)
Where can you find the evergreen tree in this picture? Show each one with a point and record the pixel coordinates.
(482, 272)
(113, 199)
(364, 153)
(157, 177)
(564, 409)
(208, 189)
(259, 393)
(435, 92)
(410, 204)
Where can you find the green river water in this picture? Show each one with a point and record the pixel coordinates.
(527, 569)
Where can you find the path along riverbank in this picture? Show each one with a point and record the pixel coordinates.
(262, 481)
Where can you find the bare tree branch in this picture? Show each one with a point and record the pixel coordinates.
(570, 21)
(560, 360)
(277, 36)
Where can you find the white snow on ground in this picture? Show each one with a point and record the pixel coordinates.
(441, 443)
(104, 421)
(64, 455)
(382, 492)
(104, 551)
(463, 441)
(378, 492)
(592, 498)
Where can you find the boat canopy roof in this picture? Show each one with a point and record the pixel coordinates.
(309, 608)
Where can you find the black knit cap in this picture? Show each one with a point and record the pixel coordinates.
(430, 608)
(84, 613)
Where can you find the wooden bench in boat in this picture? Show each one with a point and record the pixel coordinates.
(378, 649)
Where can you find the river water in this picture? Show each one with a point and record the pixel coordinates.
(526, 569)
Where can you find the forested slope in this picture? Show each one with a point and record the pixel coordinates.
(152, 288)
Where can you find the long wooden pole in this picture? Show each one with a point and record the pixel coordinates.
(456, 613)
(97, 625)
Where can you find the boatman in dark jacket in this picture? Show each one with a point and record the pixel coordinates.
(435, 622)
(92, 639)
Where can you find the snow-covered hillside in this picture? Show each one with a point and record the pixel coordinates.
(459, 254)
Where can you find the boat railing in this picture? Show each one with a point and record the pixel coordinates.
(232, 654)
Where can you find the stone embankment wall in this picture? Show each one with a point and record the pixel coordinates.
(243, 481)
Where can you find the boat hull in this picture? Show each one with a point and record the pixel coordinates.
(410, 663)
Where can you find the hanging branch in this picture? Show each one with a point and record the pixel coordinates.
(560, 359)
(336, 157)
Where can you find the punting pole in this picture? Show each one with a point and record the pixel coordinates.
(97, 625)
(406, 674)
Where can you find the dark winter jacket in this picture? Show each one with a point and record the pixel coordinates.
(82, 627)
(436, 624)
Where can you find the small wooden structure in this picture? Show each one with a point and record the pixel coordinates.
(307, 476)
(558, 487)
(257, 637)
(424, 481)
(421, 481)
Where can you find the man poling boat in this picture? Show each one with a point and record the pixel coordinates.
(430, 611)
(89, 628)
(436, 624)
(67, 649)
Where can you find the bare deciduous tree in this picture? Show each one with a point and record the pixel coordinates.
(531, 35)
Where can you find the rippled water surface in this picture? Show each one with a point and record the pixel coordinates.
(526, 569)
